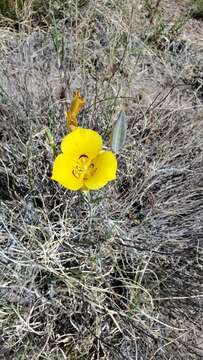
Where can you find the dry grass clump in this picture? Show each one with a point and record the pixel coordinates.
(117, 276)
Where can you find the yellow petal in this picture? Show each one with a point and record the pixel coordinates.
(105, 166)
(63, 173)
(82, 142)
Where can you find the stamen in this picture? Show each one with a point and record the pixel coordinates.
(83, 169)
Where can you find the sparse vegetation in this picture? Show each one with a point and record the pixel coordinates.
(118, 274)
(198, 9)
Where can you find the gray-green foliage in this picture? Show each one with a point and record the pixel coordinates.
(119, 132)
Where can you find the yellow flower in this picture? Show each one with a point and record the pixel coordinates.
(83, 163)
(77, 103)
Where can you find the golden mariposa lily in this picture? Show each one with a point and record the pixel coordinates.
(83, 164)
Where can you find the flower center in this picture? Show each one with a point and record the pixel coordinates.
(83, 168)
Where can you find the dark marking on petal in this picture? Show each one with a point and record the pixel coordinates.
(83, 155)
(76, 176)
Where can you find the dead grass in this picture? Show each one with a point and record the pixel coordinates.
(117, 276)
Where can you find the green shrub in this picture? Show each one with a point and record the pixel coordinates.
(9, 8)
(197, 11)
